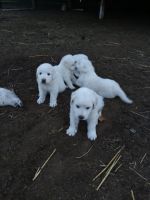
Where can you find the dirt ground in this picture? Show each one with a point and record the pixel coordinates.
(119, 49)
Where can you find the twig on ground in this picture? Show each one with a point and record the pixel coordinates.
(17, 69)
(143, 158)
(147, 128)
(145, 179)
(62, 128)
(38, 56)
(53, 60)
(132, 195)
(85, 153)
(118, 167)
(142, 88)
(115, 58)
(108, 172)
(40, 168)
(111, 44)
(109, 164)
(4, 30)
(145, 111)
(139, 115)
(146, 66)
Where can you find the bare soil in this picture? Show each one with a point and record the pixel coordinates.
(119, 48)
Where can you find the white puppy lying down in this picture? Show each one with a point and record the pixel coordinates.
(9, 98)
(49, 81)
(86, 105)
(107, 88)
(65, 68)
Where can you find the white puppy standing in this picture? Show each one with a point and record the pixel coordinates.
(86, 105)
(107, 88)
(49, 81)
(9, 98)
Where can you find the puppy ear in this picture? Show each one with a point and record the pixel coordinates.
(72, 97)
(36, 75)
(53, 74)
(95, 100)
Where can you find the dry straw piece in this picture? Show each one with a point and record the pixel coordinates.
(40, 168)
(132, 195)
(107, 170)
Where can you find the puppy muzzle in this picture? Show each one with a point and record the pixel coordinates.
(81, 117)
(43, 81)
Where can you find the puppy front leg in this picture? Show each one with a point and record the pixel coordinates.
(53, 98)
(69, 83)
(71, 131)
(92, 122)
(42, 95)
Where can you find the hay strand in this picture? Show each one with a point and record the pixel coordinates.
(40, 168)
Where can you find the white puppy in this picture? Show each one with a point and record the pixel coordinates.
(49, 81)
(9, 98)
(66, 68)
(107, 88)
(78, 57)
(77, 60)
(86, 105)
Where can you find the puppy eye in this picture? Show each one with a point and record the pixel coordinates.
(40, 73)
(87, 108)
(48, 74)
(77, 106)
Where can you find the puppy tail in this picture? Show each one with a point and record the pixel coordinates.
(124, 97)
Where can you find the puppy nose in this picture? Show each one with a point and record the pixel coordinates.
(43, 81)
(81, 117)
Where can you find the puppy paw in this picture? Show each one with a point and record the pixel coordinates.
(53, 104)
(72, 87)
(92, 136)
(40, 100)
(18, 104)
(70, 131)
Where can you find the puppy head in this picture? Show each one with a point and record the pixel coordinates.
(12, 99)
(45, 73)
(83, 101)
(68, 62)
(84, 66)
(80, 56)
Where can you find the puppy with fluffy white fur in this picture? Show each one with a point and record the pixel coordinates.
(66, 67)
(9, 98)
(49, 81)
(86, 105)
(77, 59)
(105, 87)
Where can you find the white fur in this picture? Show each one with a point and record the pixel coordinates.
(77, 60)
(66, 68)
(80, 56)
(105, 87)
(53, 83)
(9, 98)
(87, 104)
